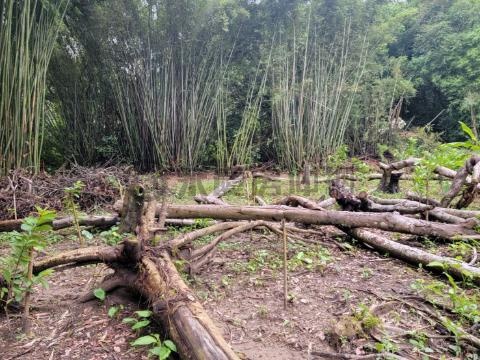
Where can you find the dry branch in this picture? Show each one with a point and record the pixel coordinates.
(96, 221)
(224, 187)
(458, 269)
(207, 199)
(362, 202)
(295, 200)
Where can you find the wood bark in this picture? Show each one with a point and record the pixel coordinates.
(181, 314)
(225, 186)
(327, 203)
(423, 200)
(391, 176)
(460, 178)
(132, 208)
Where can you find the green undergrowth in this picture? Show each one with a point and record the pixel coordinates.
(314, 258)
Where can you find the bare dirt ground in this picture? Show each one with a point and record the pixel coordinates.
(243, 292)
(342, 298)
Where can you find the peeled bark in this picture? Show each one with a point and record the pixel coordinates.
(415, 256)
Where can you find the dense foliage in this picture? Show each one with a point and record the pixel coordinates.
(179, 85)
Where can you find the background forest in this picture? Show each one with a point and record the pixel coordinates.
(185, 85)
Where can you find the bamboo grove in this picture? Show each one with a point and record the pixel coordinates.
(178, 85)
(28, 31)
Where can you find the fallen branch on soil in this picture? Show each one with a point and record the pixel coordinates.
(95, 221)
(457, 269)
(200, 257)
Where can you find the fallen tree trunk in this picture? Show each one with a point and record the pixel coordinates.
(181, 314)
(457, 269)
(153, 274)
(383, 221)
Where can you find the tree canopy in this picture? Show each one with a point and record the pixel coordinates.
(180, 85)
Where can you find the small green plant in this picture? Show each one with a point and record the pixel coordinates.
(419, 340)
(362, 171)
(16, 268)
(386, 346)
(366, 318)
(161, 349)
(464, 303)
(114, 310)
(338, 158)
(140, 321)
(72, 194)
(262, 311)
(111, 236)
(367, 273)
(100, 294)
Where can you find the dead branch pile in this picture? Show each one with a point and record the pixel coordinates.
(23, 191)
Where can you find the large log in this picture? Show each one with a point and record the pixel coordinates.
(383, 221)
(181, 314)
(156, 278)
